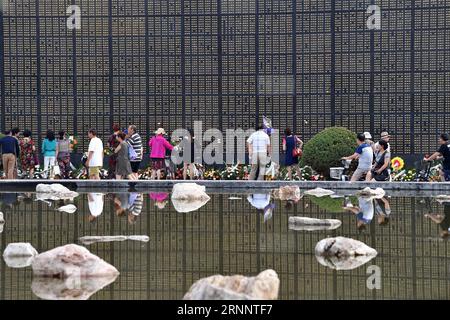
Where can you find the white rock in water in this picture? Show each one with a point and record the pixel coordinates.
(92, 239)
(70, 208)
(18, 262)
(264, 286)
(367, 192)
(289, 193)
(19, 255)
(71, 260)
(187, 197)
(342, 253)
(311, 224)
(184, 206)
(72, 288)
(54, 191)
(189, 191)
(20, 249)
(319, 192)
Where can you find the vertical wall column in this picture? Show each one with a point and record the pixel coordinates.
(2, 74)
(412, 76)
(74, 80)
(38, 76)
(333, 64)
(111, 68)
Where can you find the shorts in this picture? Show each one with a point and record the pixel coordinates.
(94, 171)
(158, 163)
(360, 173)
(135, 166)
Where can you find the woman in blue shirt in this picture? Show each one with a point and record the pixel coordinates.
(49, 147)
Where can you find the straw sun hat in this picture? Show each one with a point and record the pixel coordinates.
(160, 131)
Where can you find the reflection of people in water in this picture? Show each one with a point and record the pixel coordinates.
(121, 204)
(262, 202)
(96, 204)
(423, 206)
(8, 200)
(160, 199)
(364, 212)
(383, 211)
(136, 201)
(128, 204)
(442, 220)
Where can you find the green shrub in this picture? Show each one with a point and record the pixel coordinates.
(327, 147)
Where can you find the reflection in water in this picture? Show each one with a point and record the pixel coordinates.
(18, 261)
(442, 219)
(95, 201)
(93, 239)
(263, 203)
(229, 237)
(383, 211)
(160, 198)
(72, 288)
(342, 253)
(363, 212)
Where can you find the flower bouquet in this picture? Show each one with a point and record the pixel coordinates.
(108, 151)
(211, 174)
(73, 140)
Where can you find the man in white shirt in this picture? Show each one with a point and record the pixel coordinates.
(95, 157)
(96, 204)
(258, 150)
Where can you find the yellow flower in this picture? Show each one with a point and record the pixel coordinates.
(397, 163)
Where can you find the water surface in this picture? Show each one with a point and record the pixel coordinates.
(230, 235)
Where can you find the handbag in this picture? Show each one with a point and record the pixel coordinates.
(297, 152)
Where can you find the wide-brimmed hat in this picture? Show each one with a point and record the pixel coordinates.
(160, 131)
(367, 135)
(385, 134)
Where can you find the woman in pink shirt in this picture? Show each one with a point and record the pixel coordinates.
(158, 145)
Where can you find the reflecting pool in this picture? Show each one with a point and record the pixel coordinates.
(234, 233)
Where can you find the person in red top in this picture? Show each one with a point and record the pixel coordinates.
(158, 145)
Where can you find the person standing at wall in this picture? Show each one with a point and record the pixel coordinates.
(63, 152)
(16, 133)
(123, 166)
(95, 155)
(27, 153)
(364, 153)
(158, 146)
(443, 153)
(290, 143)
(135, 141)
(10, 150)
(380, 170)
(385, 137)
(258, 149)
(49, 150)
(189, 145)
(113, 143)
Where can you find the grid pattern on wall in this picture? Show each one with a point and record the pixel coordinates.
(306, 64)
(230, 237)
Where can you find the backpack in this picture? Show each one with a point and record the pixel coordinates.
(131, 152)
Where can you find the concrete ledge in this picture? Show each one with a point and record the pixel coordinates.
(224, 186)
